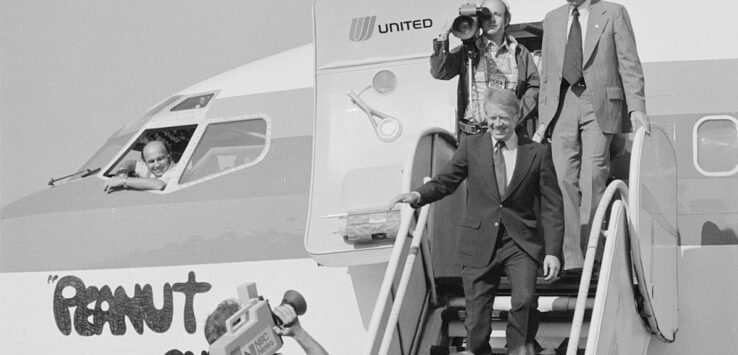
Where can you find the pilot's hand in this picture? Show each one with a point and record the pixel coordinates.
(639, 119)
(115, 183)
(551, 267)
(407, 197)
(287, 314)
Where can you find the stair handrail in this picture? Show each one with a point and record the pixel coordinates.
(589, 259)
(406, 216)
(391, 270)
(406, 186)
(394, 315)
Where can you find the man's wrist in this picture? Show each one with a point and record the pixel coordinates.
(125, 182)
(298, 333)
(416, 196)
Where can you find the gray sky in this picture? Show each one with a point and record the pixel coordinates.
(74, 71)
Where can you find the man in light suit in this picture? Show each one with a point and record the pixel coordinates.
(498, 232)
(592, 89)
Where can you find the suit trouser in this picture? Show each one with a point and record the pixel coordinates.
(581, 157)
(480, 287)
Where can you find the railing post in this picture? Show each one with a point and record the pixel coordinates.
(389, 329)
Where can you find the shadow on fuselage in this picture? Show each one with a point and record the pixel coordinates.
(713, 235)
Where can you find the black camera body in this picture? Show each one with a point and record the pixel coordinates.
(466, 25)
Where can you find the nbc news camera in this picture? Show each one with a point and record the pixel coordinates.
(466, 26)
(250, 330)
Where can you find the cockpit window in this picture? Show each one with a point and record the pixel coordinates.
(104, 154)
(194, 102)
(716, 146)
(176, 138)
(227, 146)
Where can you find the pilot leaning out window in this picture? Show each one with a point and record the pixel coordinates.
(153, 174)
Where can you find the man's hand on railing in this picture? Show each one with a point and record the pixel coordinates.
(551, 267)
(407, 197)
(640, 119)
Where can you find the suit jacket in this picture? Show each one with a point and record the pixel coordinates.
(612, 69)
(533, 177)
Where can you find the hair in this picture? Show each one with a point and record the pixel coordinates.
(508, 15)
(215, 325)
(164, 143)
(506, 99)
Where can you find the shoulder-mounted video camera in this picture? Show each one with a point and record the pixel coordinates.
(466, 25)
(249, 331)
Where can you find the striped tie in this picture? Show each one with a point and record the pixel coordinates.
(573, 55)
(500, 171)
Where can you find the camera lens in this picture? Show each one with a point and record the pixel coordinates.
(464, 27)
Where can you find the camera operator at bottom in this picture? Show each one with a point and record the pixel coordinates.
(215, 325)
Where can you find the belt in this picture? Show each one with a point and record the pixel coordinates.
(471, 128)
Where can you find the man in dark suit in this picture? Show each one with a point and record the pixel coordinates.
(591, 84)
(505, 174)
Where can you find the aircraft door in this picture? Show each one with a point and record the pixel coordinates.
(653, 207)
(374, 101)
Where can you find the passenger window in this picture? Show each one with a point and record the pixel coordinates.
(716, 146)
(176, 138)
(227, 146)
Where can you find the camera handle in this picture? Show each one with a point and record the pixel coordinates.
(471, 54)
(294, 299)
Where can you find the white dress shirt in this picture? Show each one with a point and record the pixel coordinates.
(583, 17)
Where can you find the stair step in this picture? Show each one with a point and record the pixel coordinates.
(553, 330)
(556, 303)
(555, 320)
(565, 286)
(546, 304)
(458, 350)
(454, 350)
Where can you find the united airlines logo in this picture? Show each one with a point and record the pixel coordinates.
(362, 28)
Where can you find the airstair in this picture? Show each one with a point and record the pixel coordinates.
(383, 124)
(615, 308)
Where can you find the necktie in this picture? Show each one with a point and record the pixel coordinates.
(500, 171)
(573, 55)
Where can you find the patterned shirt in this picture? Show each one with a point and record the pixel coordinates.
(497, 68)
